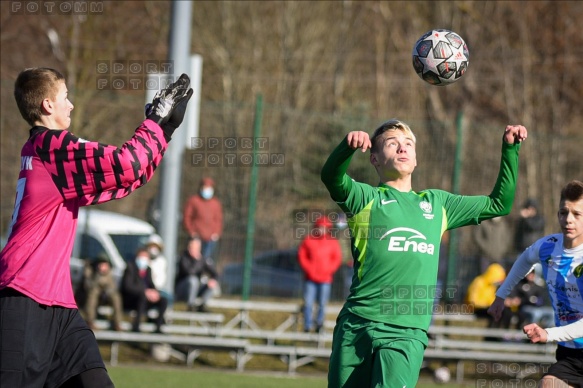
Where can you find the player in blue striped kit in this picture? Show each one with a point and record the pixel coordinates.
(561, 257)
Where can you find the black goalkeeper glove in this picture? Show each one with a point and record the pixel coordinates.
(169, 105)
(177, 114)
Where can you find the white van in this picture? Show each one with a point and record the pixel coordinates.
(117, 235)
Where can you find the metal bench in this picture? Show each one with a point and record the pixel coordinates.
(294, 356)
(466, 344)
(244, 307)
(194, 344)
(213, 320)
(194, 318)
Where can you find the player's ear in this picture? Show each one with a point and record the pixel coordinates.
(47, 106)
(373, 160)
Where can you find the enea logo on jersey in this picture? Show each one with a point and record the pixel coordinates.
(407, 240)
(427, 210)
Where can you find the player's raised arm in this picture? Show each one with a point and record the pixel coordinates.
(333, 172)
(502, 195)
(113, 173)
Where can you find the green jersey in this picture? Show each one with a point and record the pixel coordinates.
(396, 237)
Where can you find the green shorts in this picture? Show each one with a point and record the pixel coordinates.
(374, 354)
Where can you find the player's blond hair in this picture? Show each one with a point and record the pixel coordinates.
(32, 86)
(391, 125)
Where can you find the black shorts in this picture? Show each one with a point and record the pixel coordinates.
(569, 366)
(42, 346)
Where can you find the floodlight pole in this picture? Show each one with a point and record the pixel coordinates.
(171, 166)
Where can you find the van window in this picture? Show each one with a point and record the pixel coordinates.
(128, 244)
(90, 247)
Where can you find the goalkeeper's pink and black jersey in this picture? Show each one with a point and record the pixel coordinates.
(60, 172)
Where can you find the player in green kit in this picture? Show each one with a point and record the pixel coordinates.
(381, 332)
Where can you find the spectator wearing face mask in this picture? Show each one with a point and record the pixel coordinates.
(139, 292)
(158, 265)
(203, 217)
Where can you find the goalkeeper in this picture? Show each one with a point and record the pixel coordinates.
(44, 341)
(381, 332)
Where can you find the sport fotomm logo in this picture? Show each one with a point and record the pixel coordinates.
(400, 242)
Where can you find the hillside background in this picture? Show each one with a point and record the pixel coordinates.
(324, 68)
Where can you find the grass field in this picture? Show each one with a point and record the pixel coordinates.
(153, 377)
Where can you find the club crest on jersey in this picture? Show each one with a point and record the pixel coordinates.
(549, 261)
(427, 209)
(578, 271)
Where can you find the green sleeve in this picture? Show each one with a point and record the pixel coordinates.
(462, 210)
(502, 196)
(334, 174)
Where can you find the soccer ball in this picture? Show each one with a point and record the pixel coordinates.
(442, 375)
(161, 352)
(440, 57)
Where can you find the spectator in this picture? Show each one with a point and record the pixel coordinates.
(529, 227)
(102, 288)
(196, 281)
(319, 256)
(561, 258)
(482, 292)
(494, 241)
(203, 217)
(525, 298)
(158, 265)
(139, 292)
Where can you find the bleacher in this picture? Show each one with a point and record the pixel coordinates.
(456, 338)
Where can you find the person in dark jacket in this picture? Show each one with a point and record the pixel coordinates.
(196, 280)
(493, 241)
(139, 292)
(527, 295)
(529, 227)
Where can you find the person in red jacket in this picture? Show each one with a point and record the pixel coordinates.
(203, 217)
(320, 256)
